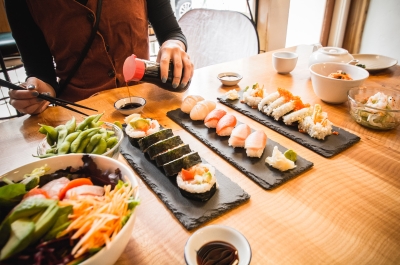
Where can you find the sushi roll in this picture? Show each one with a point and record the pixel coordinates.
(201, 109)
(268, 99)
(213, 117)
(255, 143)
(297, 115)
(225, 125)
(317, 125)
(283, 109)
(172, 154)
(185, 161)
(163, 145)
(239, 135)
(138, 127)
(146, 141)
(197, 182)
(279, 161)
(189, 102)
(275, 104)
(253, 96)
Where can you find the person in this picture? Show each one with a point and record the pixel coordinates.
(50, 36)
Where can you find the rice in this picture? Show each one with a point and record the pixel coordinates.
(226, 131)
(318, 130)
(134, 133)
(282, 110)
(253, 152)
(297, 115)
(276, 103)
(268, 100)
(211, 124)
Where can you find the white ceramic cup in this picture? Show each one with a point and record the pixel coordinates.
(284, 62)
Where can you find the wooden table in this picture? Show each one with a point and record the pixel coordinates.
(345, 210)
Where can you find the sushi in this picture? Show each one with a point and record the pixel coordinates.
(239, 135)
(213, 117)
(189, 102)
(255, 143)
(294, 104)
(297, 115)
(172, 154)
(268, 99)
(197, 182)
(316, 125)
(225, 125)
(163, 145)
(147, 141)
(253, 96)
(279, 161)
(185, 161)
(202, 109)
(138, 127)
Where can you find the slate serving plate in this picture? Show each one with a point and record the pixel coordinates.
(254, 168)
(330, 146)
(190, 214)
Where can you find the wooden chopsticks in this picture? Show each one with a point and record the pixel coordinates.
(55, 101)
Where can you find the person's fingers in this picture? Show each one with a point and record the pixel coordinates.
(178, 67)
(164, 67)
(187, 71)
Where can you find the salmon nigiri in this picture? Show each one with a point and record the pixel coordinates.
(226, 124)
(239, 135)
(255, 143)
(213, 117)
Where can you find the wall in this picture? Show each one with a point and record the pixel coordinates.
(381, 31)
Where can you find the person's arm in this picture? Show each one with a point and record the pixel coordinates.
(163, 21)
(35, 54)
(173, 44)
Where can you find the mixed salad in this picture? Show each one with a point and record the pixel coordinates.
(64, 217)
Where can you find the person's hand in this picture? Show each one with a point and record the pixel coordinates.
(174, 50)
(26, 101)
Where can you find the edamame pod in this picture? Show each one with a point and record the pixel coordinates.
(50, 131)
(62, 134)
(82, 135)
(81, 126)
(94, 140)
(112, 141)
(101, 147)
(83, 144)
(65, 146)
(71, 125)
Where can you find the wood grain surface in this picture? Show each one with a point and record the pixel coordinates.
(344, 210)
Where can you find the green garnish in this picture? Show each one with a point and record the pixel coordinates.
(291, 155)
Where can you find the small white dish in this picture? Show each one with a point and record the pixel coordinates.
(375, 62)
(229, 78)
(217, 233)
(284, 62)
(138, 105)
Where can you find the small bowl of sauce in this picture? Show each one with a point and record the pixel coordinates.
(229, 78)
(130, 105)
(217, 244)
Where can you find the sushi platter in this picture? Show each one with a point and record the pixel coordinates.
(253, 167)
(190, 213)
(328, 147)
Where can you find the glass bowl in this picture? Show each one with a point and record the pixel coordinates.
(375, 107)
(113, 152)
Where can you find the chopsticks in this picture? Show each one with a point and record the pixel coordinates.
(55, 101)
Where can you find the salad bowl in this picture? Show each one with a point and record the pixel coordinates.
(110, 254)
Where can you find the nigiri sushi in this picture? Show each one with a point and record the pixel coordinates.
(189, 102)
(279, 161)
(213, 117)
(239, 135)
(226, 124)
(255, 143)
(201, 109)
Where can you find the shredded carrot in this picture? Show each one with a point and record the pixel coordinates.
(97, 220)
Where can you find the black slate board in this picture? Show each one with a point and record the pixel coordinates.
(190, 214)
(330, 146)
(254, 168)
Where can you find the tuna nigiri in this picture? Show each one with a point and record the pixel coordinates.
(239, 135)
(226, 124)
(255, 143)
(213, 117)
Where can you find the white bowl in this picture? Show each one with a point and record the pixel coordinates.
(113, 152)
(229, 78)
(128, 111)
(217, 233)
(333, 90)
(104, 256)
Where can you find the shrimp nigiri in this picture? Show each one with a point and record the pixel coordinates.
(239, 135)
(213, 117)
(226, 124)
(255, 143)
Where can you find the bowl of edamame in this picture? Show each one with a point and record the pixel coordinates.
(91, 136)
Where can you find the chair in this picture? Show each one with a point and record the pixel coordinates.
(9, 60)
(216, 36)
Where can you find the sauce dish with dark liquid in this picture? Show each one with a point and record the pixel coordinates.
(130, 105)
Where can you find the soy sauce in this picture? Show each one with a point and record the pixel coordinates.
(131, 105)
(217, 252)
